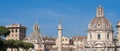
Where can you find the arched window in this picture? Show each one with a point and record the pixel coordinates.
(98, 36)
(107, 36)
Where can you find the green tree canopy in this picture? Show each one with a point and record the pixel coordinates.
(1, 43)
(28, 45)
(9, 43)
(17, 44)
(4, 31)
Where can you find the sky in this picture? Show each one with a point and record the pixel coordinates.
(74, 14)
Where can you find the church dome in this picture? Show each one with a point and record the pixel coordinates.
(100, 22)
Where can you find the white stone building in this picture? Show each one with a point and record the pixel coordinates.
(65, 41)
(17, 32)
(100, 33)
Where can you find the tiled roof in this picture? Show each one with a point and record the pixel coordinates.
(79, 37)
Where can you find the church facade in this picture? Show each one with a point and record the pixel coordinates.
(100, 33)
(36, 38)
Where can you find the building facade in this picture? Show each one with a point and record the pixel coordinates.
(100, 33)
(17, 32)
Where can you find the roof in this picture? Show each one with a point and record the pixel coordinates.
(79, 37)
(15, 25)
(100, 23)
(36, 34)
(49, 38)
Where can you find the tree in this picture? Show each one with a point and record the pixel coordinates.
(9, 43)
(27, 45)
(17, 44)
(4, 31)
(1, 43)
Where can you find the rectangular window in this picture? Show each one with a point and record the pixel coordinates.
(107, 36)
(12, 30)
(15, 30)
(98, 36)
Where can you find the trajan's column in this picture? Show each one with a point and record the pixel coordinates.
(59, 37)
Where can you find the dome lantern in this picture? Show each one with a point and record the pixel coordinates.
(100, 11)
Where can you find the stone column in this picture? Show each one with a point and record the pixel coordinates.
(59, 37)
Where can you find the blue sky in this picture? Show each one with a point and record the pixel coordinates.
(75, 14)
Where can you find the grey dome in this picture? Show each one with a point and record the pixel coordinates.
(100, 23)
